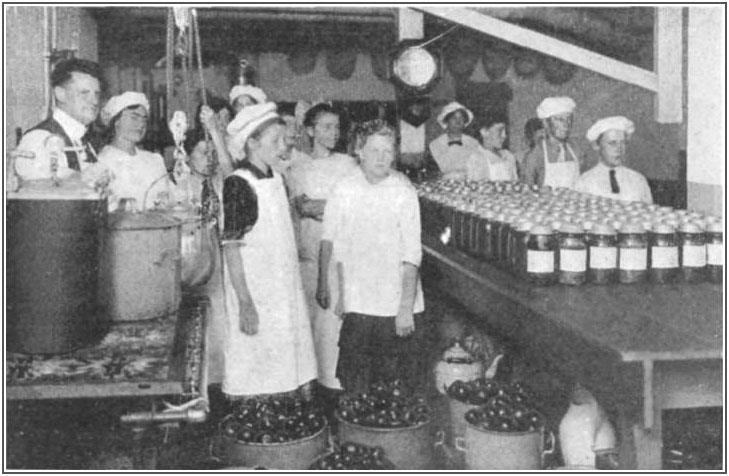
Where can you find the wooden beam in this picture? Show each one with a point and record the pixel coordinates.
(668, 58)
(547, 45)
(409, 24)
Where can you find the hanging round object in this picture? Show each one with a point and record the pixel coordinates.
(527, 63)
(341, 63)
(302, 61)
(414, 69)
(557, 71)
(461, 58)
(496, 62)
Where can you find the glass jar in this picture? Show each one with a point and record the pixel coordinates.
(520, 247)
(572, 256)
(496, 230)
(692, 253)
(663, 254)
(504, 239)
(715, 252)
(541, 248)
(467, 231)
(602, 254)
(632, 253)
(484, 231)
(457, 224)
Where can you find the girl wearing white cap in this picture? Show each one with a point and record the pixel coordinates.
(492, 161)
(135, 173)
(554, 162)
(269, 347)
(246, 95)
(311, 182)
(610, 178)
(452, 149)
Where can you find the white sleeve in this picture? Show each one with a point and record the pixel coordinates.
(38, 167)
(645, 195)
(334, 211)
(409, 221)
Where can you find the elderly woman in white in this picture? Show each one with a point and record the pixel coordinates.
(610, 178)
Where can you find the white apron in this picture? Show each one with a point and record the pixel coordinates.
(500, 168)
(317, 181)
(561, 174)
(280, 357)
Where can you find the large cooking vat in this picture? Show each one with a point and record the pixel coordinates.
(53, 248)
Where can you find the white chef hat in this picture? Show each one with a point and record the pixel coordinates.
(117, 104)
(453, 107)
(245, 123)
(620, 123)
(553, 106)
(247, 90)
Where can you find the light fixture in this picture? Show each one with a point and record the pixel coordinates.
(414, 68)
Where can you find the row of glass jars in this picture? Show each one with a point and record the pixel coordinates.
(573, 239)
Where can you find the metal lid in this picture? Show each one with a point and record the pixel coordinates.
(689, 227)
(541, 229)
(571, 228)
(43, 189)
(141, 221)
(715, 227)
(602, 229)
(524, 225)
(632, 227)
(661, 227)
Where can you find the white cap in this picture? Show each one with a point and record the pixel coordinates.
(619, 123)
(245, 123)
(554, 106)
(118, 103)
(453, 107)
(247, 90)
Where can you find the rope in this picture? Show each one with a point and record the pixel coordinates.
(212, 157)
(170, 62)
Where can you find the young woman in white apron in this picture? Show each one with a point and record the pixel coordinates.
(311, 182)
(492, 161)
(269, 347)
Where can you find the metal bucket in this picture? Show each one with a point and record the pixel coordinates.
(408, 447)
(297, 454)
(502, 451)
(53, 250)
(141, 266)
(457, 412)
(197, 252)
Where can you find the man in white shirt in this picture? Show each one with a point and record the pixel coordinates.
(76, 87)
(452, 149)
(372, 232)
(610, 178)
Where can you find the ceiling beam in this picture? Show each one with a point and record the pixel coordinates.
(547, 45)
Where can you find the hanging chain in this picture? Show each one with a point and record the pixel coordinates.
(170, 63)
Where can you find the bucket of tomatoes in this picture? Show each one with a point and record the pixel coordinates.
(506, 433)
(353, 457)
(281, 433)
(390, 416)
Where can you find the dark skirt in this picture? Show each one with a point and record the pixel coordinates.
(370, 351)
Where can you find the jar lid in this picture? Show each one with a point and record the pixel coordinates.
(541, 229)
(662, 227)
(571, 228)
(141, 221)
(715, 227)
(632, 227)
(587, 225)
(689, 227)
(602, 229)
(556, 225)
(524, 225)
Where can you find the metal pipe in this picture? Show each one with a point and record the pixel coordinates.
(174, 416)
(46, 62)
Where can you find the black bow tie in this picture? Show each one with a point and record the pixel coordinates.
(455, 142)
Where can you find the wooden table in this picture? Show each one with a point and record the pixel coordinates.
(641, 349)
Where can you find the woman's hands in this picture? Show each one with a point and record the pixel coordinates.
(310, 208)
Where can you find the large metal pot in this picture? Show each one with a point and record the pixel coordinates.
(53, 250)
(141, 266)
